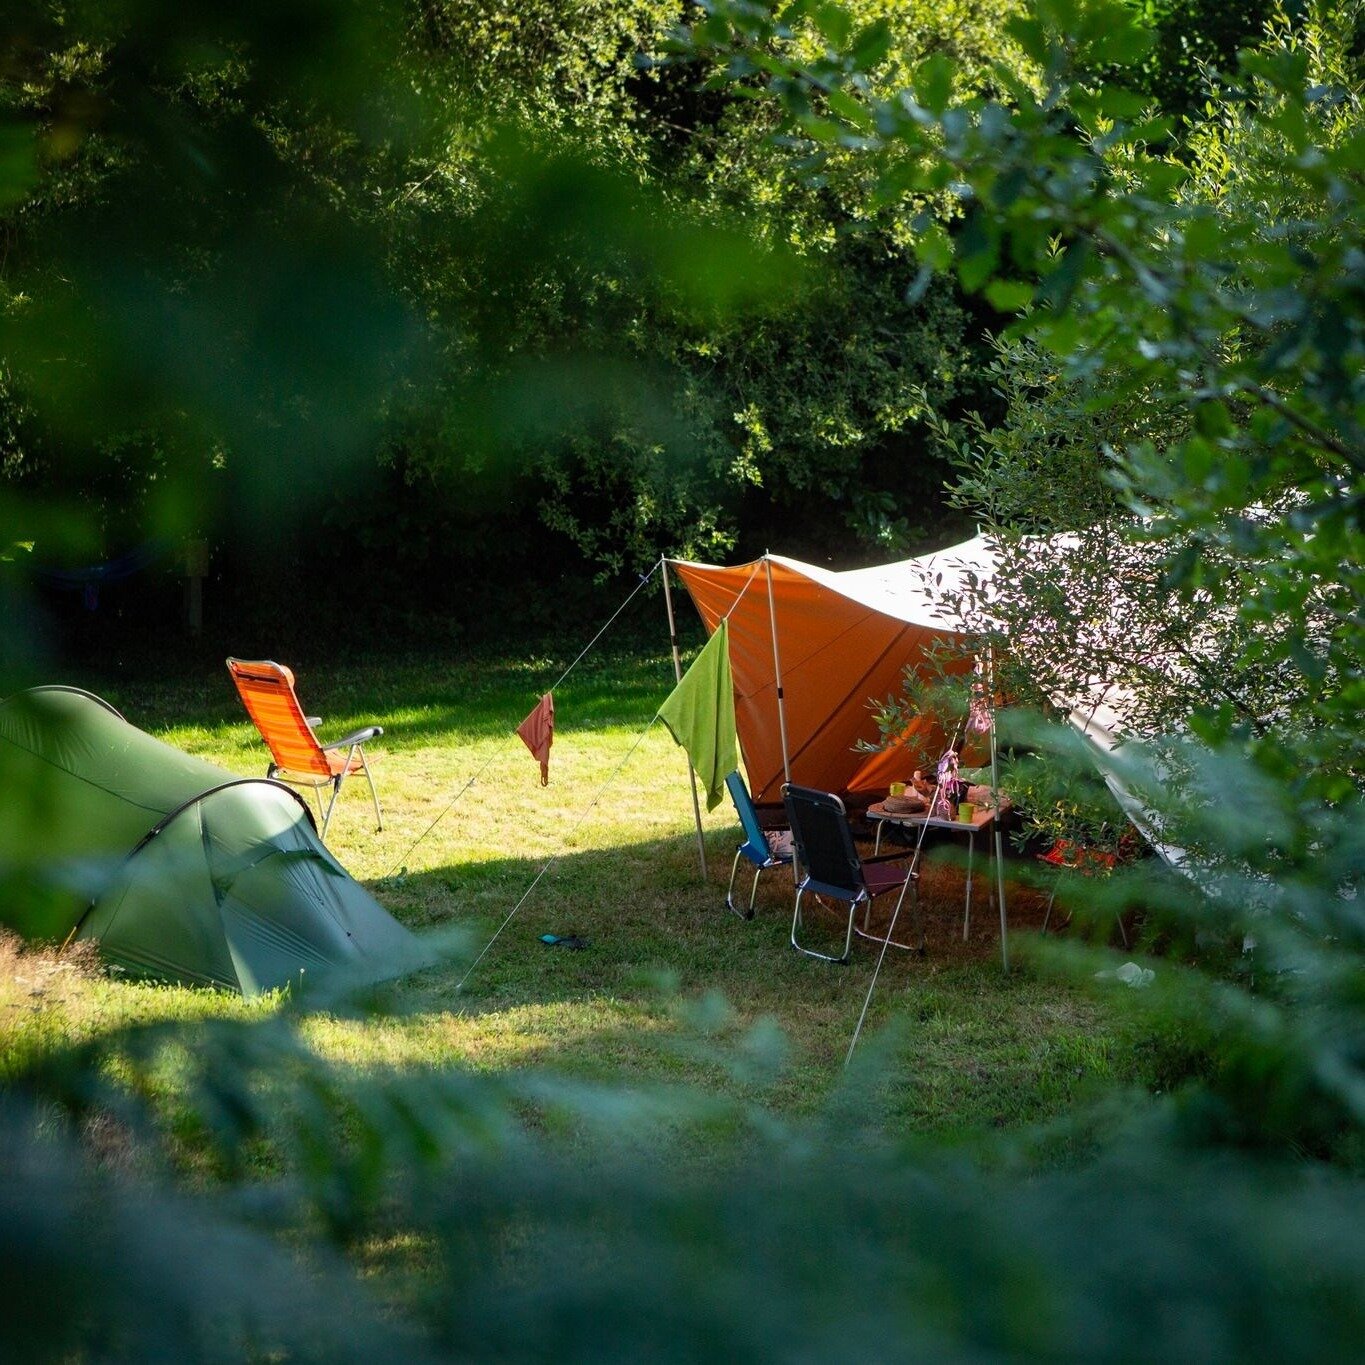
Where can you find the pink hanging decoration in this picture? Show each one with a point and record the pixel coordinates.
(945, 791)
(979, 708)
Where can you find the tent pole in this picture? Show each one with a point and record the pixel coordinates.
(995, 797)
(777, 670)
(677, 677)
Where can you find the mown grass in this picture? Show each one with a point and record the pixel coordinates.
(977, 1050)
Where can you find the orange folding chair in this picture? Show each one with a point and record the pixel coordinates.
(267, 692)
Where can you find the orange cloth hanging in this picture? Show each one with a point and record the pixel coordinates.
(537, 733)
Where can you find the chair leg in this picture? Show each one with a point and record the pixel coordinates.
(730, 890)
(753, 892)
(1052, 898)
(848, 936)
(331, 805)
(374, 795)
(910, 884)
(810, 952)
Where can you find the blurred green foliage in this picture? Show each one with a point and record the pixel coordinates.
(495, 269)
(219, 206)
(1209, 567)
(470, 330)
(529, 1252)
(1190, 38)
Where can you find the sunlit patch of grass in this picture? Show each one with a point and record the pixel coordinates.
(552, 1032)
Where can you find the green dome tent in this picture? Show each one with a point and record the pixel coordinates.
(180, 870)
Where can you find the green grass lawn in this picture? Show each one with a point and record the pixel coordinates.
(976, 1050)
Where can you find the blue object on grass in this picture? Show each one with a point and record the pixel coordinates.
(563, 941)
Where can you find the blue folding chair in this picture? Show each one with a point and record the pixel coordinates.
(760, 847)
(832, 867)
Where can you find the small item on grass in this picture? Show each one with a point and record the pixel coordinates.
(563, 941)
(1130, 974)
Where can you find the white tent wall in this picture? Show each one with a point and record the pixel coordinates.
(922, 585)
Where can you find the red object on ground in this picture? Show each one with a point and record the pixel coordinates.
(1079, 857)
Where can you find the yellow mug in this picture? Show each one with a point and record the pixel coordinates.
(897, 789)
(966, 810)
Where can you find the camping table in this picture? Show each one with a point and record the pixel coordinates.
(980, 823)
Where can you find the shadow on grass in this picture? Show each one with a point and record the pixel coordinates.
(650, 919)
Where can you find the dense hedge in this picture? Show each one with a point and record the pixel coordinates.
(429, 301)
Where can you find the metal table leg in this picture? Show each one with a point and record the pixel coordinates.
(990, 880)
(967, 913)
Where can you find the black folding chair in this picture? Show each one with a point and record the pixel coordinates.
(830, 866)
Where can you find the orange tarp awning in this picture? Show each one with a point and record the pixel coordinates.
(844, 640)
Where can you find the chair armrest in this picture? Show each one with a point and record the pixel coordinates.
(359, 737)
